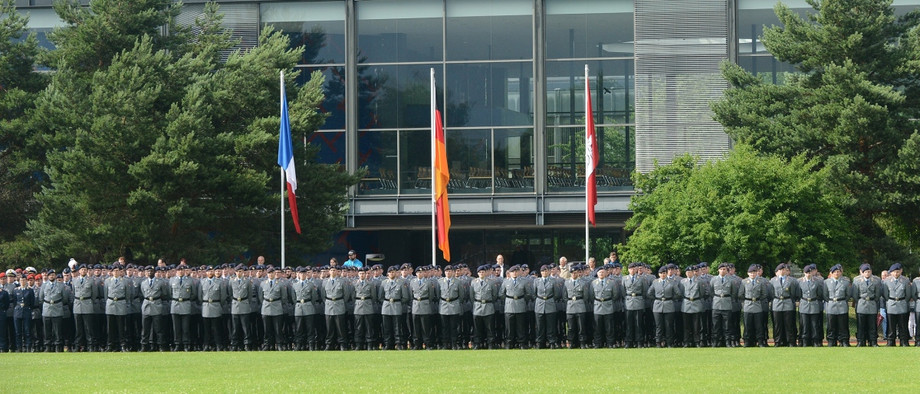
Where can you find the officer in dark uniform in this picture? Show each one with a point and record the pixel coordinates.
(23, 302)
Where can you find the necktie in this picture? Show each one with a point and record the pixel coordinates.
(272, 283)
(81, 280)
(180, 280)
(603, 283)
(633, 279)
(723, 280)
(150, 282)
(782, 281)
(691, 281)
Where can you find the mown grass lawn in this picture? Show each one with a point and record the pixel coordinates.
(493, 371)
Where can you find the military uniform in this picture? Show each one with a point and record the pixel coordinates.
(724, 292)
(868, 295)
(546, 295)
(635, 289)
(84, 294)
(897, 292)
(753, 291)
(395, 296)
(156, 298)
(336, 293)
(213, 293)
(785, 293)
(576, 293)
(665, 292)
(306, 297)
(483, 295)
(839, 293)
(182, 291)
(272, 292)
(452, 297)
(604, 291)
(23, 302)
(515, 293)
(242, 292)
(365, 297)
(811, 304)
(117, 292)
(53, 296)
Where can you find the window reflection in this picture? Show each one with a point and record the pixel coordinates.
(490, 94)
(566, 158)
(399, 31)
(377, 152)
(612, 85)
(489, 30)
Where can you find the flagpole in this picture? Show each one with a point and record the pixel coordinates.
(587, 166)
(283, 182)
(434, 209)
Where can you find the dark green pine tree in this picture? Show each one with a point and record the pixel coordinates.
(854, 107)
(160, 149)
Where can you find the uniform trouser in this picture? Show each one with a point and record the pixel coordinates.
(241, 333)
(392, 331)
(37, 332)
(576, 329)
(4, 338)
(449, 326)
(515, 329)
(734, 325)
(10, 330)
(99, 332)
(335, 329)
(664, 328)
(181, 324)
(588, 328)
(23, 328)
(635, 320)
(349, 327)
(466, 327)
(116, 325)
(67, 330)
(133, 328)
(256, 326)
(421, 330)
(866, 330)
(482, 330)
(152, 326)
(692, 328)
(838, 329)
(272, 327)
(211, 332)
(304, 332)
(706, 327)
(721, 330)
(364, 333)
(811, 329)
(897, 328)
(545, 325)
(561, 321)
(784, 328)
(52, 335)
(648, 327)
(603, 330)
(498, 326)
(753, 329)
(196, 324)
(619, 326)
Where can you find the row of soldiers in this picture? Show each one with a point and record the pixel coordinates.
(128, 308)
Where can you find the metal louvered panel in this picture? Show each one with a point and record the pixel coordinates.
(241, 19)
(679, 45)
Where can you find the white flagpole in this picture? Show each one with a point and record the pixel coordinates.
(434, 236)
(587, 165)
(283, 181)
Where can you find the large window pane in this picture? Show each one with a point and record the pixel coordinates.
(318, 26)
(488, 29)
(415, 161)
(490, 94)
(330, 145)
(589, 28)
(334, 89)
(469, 158)
(566, 158)
(399, 31)
(513, 160)
(377, 152)
(395, 96)
(612, 92)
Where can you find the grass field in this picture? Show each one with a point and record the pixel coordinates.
(634, 370)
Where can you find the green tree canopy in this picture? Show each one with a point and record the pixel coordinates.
(158, 148)
(853, 108)
(747, 208)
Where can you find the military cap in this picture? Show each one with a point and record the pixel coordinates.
(753, 268)
(66, 270)
(160, 268)
(272, 269)
(148, 268)
(864, 266)
(895, 267)
(836, 267)
(496, 267)
(663, 270)
(301, 269)
(514, 267)
(377, 267)
(617, 265)
(182, 267)
(405, 266)
(97, 266)
(49, 272)
(691, 267)
(525, 266)
(544, 267)
(724, 265)
(810, 268)
(392, 268)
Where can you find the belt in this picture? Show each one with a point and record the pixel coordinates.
(484, 301)
(838, 299)
(241, 299)
(514, 297)
(575, 298)
(301, 301)
(602, 299)
(666, 299)
(83, 298)
(212, 301)
(22, 304)
(116, 299)
(393, 300)
(180, 299)
(869, 298)
(723, 295)
(691, 298)
(895, 299)
(545, 298)
(421, 299)
(333, 299)
(810, 299)
(362, 298)
(781, 298)
(448, 299)
(270, 299)
(152, 298)
(52, 302)
(634, 294)
(752, 299)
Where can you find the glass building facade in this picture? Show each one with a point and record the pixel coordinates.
(510, 84)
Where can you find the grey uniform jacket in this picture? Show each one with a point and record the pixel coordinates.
(786, 293)
(365, 297)
(395, 296)
(515, 292)
(213, 293)
(155, 296)
(546, 294)
(724, 291)
(897, 293)
(605, 291)
(753, 292)
(576, 292)
(182, 289)
(337, 292)
(53, 296)
(84, 292)
(306, 296)
(868, 294)
(483, 295)
(272, 293)
(99, 303)
(666, 292)
(117, 291)
(693, 290)
(838, 293)
(916, 285)
(242, 292)
(635, 288)
(813, 296)
(424, 296)
(452, 296)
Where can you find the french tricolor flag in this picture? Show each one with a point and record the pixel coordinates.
(286, 157)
